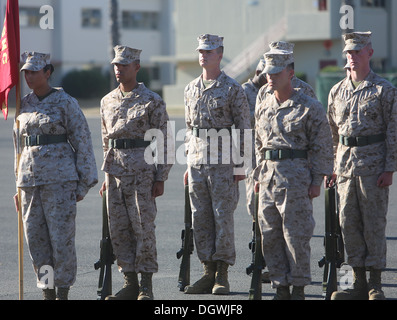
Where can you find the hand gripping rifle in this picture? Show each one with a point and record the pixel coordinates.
(187, 245)
(107, 257)
(333, 243)
(258, 262)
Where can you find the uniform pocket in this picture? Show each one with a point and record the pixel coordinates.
(136, 113)
(216, 107)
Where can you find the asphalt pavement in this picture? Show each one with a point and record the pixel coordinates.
(169, 225)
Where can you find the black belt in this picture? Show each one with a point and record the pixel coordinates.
(361, 141)
(285, 154)
(128, 143)
(196, 131)
(44, 139)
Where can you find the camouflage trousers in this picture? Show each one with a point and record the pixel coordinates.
(286, 222)
(49, 213)
(213, 196)
(250, 194)
(132, 212)
(363, 209)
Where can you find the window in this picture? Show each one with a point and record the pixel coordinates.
(374, 3)
(91, 18)
(140, 20)
(322, 5)
(154, 73)
(29, 16)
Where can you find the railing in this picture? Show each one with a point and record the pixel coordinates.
(244, 63)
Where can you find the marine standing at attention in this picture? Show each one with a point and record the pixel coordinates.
(56, 169)
(362, 112)
(132, 180)
(293, 153)
(213, 101)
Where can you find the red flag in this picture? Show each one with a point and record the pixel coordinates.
(9, 54)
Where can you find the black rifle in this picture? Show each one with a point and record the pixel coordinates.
(333, 243)
(107, 257)
(258, 262)
(187, 245)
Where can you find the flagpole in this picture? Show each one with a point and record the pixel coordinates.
(20, 221)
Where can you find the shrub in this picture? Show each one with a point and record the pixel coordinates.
(90, 83)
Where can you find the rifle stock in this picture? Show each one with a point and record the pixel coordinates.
(258, 261)
(333, 244)
(187, 245)
(106, 257)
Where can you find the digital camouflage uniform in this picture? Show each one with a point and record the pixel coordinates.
(363, 124)
(368, 110)
(130, 175)
(285, 209)
(251, 91)
(213, 193)
(297, 84)
(255, 96)
(284, 47)
(51, 176)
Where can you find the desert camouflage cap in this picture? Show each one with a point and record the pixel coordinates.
(277, 60)
(125, 55)
(209, 42)
(261, 65)
(35, 61)
(282, 46)
(356, 40)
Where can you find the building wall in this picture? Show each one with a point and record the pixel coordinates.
(393, 34)
(73, 46)
(240, 22)
(311, 29)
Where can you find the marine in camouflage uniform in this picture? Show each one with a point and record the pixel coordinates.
(293, 153)
(251, 89)
(132, 178)
(362, 112)
(56, 168)
(286, 47)
(213, 101)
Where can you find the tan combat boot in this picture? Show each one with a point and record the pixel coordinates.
(62, 293)
(360, 287)
(206, 282)
(298, 293)
(375, 285)
(130, 288)
(49, 294)
(221, 285)
(145, 288)
(282, 293)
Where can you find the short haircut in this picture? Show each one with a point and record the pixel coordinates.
(49, 67)
(291, 66)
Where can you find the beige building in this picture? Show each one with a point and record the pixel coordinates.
(76, 33)
(166, 30)
(249, 25)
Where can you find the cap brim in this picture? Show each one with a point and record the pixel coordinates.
(269, 69)
(31, 67)
(353, 47)
(122, 61)
(206, 47)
